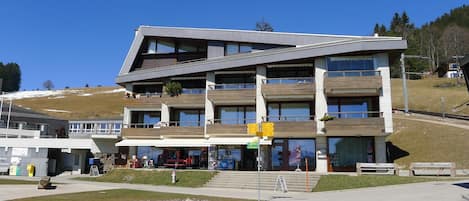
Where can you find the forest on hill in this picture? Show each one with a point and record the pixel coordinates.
(442, 41)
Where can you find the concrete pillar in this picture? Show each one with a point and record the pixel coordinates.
(209, 108)
(261, 111)
(321, 154)
(164, 113)
(132, 151)
(385, 101)
(127, 118)
(380, 149)
(320, 98)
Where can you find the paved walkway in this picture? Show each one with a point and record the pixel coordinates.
(429, 191)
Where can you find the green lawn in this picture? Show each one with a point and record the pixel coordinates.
(124, 195)
(12, 181)
(341, 182)
(185, 178)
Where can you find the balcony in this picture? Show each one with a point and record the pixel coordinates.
(229, 128)
(296, 88)
(190, 97)
(232, 94)
(293, 126)
(144, 100)
(172, 129)
(369, 123)
(352, 83)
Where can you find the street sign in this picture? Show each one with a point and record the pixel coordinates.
(252, 128)
(267, 129)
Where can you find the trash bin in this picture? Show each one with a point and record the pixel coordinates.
(31, 170)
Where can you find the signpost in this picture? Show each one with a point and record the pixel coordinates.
(265, 129)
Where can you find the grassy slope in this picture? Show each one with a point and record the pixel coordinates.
(185, 178)
(428, 142)
(98, 105)
(12, 181)
(341, 182)
(123, 195)
(424, 96)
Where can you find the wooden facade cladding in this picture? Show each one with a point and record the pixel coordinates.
(190, 100)
(373, 126)
(227, 130)
(353, 86)
(295, 129)
(301, 91)
(232, 96)
(153, 102)
(163, 132)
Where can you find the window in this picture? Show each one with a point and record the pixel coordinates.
(350, 64)
(103, 128)
(235, 48)
(189, 117)
(117, 128)
(235, 81)
(74, 127)
(236, 114)
(165, 47)
(151, 47)
(353, 107)
(145, 119)
(289, 111)
(88, 127)
(187, 48)
(345, 152)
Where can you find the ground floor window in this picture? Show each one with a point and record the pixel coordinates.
(345, 152)
(151, 157)
(292, 154)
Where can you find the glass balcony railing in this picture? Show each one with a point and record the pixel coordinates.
(289, 80)
(193, 91)
(290, 118)
(233, 86)
(234, 121)
(186, 123)
(352, 73)
(357, 114)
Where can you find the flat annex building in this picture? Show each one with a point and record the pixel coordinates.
(195, 90)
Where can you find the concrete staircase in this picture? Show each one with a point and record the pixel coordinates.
(296, 181)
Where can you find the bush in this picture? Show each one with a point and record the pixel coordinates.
(173, 88)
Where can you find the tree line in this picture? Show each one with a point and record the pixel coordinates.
(10, 74)
(439, 40)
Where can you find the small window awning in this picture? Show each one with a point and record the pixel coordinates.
(164, 143)
(235, 141)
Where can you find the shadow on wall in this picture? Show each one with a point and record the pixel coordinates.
(394, 152)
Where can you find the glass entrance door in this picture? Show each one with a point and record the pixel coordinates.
(290, 154)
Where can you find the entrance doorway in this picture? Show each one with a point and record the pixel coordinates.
(290, 154)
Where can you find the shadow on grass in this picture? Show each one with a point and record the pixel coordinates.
(394, 152)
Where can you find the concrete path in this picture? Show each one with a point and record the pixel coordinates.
(429, 191)
(434, 120)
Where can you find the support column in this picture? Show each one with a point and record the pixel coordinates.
(320, 98)
(321, 154)
(380, 149)
(127, 115)
(261, 112)
(385, 102)
(209, 108)
(164, 113)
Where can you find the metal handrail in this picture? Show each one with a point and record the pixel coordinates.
(237, 121)
(178, 123)
(289, 118)
(352, 73)
(141, 125)
(288, 80)
(193, 91)
(235, 86)
(355, 114)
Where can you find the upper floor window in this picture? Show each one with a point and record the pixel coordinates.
(236, 114)
(350, 63)
(301, 111)
(353, 107)
(160, 47)
(235, 48)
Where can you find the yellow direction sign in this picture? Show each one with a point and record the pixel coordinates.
(267, 129)
(252, 128)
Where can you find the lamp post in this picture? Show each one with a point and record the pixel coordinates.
(404, 79)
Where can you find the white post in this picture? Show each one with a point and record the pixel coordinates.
(9, 113)
(1, 108)
(404, 85)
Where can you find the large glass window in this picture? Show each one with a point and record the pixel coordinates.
(235, 81)
(350, 66)
(290, 154)
(192, 86)
(151, 47)
(349, 107)
(345, 152)
(145, 119)
(236, 114)
(229, 157)
(236, 48)
(165, 47)
(189, 117)
(289, 111)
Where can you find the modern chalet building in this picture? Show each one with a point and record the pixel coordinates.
(230, 78)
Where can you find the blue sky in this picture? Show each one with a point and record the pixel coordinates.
(84, 41)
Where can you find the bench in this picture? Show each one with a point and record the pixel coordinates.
(377, 168)
(439, 167)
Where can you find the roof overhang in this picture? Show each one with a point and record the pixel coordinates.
(263, 57)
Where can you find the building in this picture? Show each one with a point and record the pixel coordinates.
(195, 90)
(453, 71)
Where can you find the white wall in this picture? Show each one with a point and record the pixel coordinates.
(320, 98)
(385, 101)
(261, 111)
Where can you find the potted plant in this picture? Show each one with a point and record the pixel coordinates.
(326, 118)
(173, 88)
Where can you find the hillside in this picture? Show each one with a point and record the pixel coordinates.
(79, 103)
